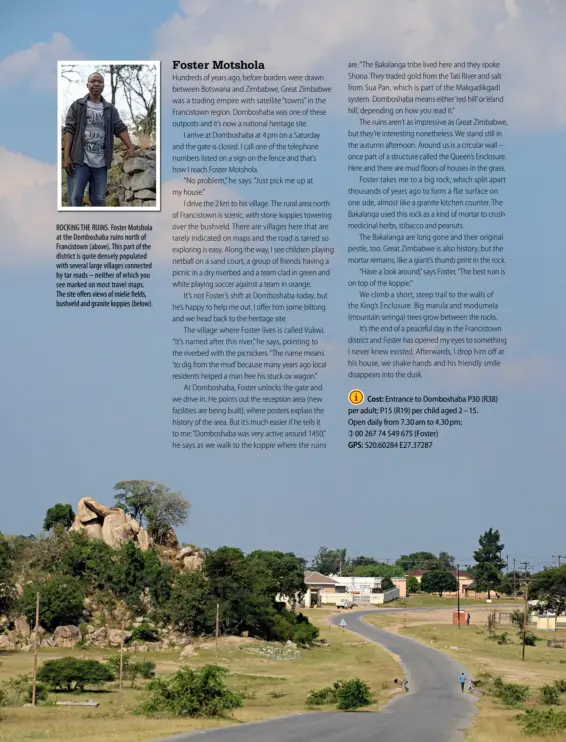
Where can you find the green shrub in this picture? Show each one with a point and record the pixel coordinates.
(19, 689)
(354, 694)
(542, 722)
(59, 514)
(191, 693)
(560, 685)
(88, 560)
(549, 695)
(530, 638)
(325, 696)
(413, 585)
(347, 695)
(146, 669)
(61, 604)
(500, 638)
(41, 692)
(71, 674)
(144, 633)
(305, 634)
(510, 694)
(131, 669)
(517, 619)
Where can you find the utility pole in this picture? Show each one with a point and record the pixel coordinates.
(217, 626)
(458, 578)
(514, 578)
(121, 662)
(559, 557)
(525, 617)
(35, 651)
(525, 572)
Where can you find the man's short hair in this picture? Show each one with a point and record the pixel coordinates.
(95, 73)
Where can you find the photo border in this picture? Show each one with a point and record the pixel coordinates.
(112, 209)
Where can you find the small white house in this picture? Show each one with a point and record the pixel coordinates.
(361, 585)
(333, 590)
(360, 590)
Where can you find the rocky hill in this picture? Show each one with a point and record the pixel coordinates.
(114, 527)
(104, 577)
(111, 525)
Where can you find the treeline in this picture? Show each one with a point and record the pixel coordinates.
(489, 572)
(337, 561)
(66, 568)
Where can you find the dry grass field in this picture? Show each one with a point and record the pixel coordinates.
(272, 683)
(471, 646)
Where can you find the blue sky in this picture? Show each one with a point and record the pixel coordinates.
(86, 397)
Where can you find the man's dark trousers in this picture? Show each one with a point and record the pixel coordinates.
(83, 175)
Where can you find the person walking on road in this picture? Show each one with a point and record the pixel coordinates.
(462, 681)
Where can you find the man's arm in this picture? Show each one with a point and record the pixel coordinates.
(69, 132)
(125, 137)
(121, 131)
(67, 162)
(71, 119)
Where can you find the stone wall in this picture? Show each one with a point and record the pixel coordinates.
(132, 181)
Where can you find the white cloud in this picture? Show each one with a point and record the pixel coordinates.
(27, 208)
(37, 65)
(323, 35)
(512, 8)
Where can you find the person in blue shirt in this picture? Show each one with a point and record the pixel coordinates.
(462, 681)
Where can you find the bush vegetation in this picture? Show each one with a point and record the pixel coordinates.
(347, 695)
(65, 566)
(19, 689)
(549, 695)
(73, 674)
(131, 669)
(325, 696)
(542, 722)
(192, 693)
(143, 633)
(510, 694)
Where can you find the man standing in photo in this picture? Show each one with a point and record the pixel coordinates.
(90, 127)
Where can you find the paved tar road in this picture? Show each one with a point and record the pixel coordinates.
(435, 709)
